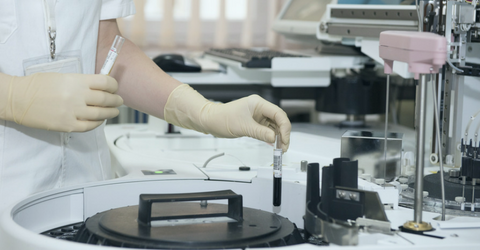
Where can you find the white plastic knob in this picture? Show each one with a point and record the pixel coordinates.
(425, 194)
(449, 159)
(433, 158)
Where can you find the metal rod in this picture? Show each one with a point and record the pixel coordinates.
(420, 150)
(472, 207)
(440, 154)
(462, 206)
(386, 130)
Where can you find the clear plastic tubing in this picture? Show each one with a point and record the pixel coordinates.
(112, 55)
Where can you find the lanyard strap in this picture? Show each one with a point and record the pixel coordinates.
(51, 24)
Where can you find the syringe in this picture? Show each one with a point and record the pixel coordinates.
(112, 55)
(277, 171)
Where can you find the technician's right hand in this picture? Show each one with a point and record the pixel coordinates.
(250, 116)
(59, 102)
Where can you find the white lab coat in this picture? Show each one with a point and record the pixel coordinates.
(34, 160)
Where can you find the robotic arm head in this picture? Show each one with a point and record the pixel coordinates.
(424, 52)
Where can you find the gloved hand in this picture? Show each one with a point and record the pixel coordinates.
(59, 102)
(250, 116)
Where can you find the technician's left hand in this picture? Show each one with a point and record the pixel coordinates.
(250, 116)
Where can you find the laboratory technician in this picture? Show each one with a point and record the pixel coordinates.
(52, 124)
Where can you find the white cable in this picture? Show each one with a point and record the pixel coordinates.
(419, 17)
(472, 118)
(476, 132)
(219, 155)
(211, 158)
(453, 66)
(439, 145)
(236, 158)
(465, 27)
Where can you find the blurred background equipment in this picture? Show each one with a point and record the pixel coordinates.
(349, 178)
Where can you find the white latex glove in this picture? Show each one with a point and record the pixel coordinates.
(250, 116)
(59, 102)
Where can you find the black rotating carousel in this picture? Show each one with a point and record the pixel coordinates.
(175, 221)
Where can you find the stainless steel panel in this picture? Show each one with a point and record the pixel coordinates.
(466, 13)
(383, 14)
(367, 148)
(334, 232)
(352, 30)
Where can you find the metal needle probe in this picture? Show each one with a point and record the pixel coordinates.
(462, 206)
(386, 127)
(464, 181)
(277, 171)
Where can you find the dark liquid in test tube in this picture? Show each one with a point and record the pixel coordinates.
(277, 172)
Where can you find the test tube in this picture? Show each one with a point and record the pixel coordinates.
(277, 171)
(112, 55)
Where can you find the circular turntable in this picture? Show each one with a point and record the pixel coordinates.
(175, 221)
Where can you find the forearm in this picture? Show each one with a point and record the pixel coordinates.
(145, 87)
(142, 84)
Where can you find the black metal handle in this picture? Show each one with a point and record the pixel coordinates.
(235, 203)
